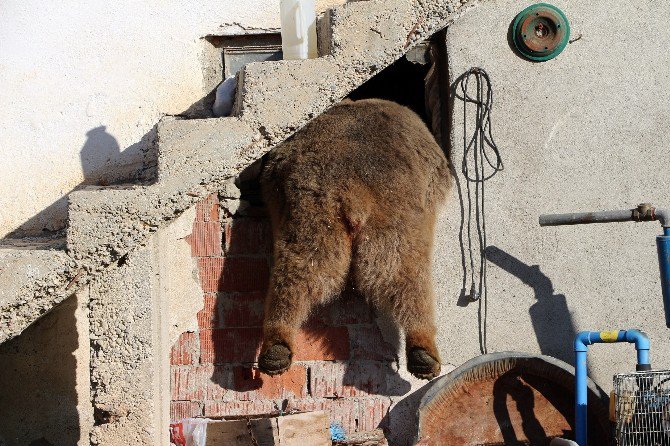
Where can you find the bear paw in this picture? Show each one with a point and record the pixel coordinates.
(421, 364)
(275, 360)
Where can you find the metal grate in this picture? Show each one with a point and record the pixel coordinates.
(642, 408)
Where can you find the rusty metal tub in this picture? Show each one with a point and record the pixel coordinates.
(508, 398)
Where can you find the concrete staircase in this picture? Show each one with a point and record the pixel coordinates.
(199, 157)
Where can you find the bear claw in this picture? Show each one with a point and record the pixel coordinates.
(275, 360)
(421, 364)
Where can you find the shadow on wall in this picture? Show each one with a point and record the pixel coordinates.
(406, 413)
(550, 315)
(38, 401)
(102, 163)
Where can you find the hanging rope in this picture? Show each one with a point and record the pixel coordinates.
(481, 161)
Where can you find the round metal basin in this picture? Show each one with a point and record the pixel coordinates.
(508, 399)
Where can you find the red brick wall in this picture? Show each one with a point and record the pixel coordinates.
(342, 363)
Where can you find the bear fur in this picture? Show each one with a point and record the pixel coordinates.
(353, 199)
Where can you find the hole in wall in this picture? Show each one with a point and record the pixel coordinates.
(101, 416)
(122, 261)
(403, 82)
(309, 381)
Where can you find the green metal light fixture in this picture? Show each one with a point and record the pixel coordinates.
(541, 32)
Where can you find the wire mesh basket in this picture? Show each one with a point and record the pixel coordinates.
(642, 408)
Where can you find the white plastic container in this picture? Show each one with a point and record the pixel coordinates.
(298, 29)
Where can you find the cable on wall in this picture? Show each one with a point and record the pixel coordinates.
(481, 161)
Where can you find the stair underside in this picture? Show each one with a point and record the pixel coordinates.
(35, 275)
(199, 157)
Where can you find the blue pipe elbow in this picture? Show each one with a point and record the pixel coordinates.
(586, 338)
(581, 344)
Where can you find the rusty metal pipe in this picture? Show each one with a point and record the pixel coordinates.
(643, 212)
(579, 218)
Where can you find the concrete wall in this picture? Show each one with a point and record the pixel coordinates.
(44, 377)
(86, 83)
(581, 132)
(137, 311)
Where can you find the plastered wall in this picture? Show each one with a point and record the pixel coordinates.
(84, 85)
(581, 132)
(44, 374)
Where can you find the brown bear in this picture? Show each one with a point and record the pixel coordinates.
(353, 199)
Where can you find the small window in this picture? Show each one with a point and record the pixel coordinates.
(237, 51)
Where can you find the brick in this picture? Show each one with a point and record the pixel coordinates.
(208, 317)
(205, 240)
(351, 379)
(242, 309)
(318, 343)
(186, 350)
(218, 387)
(247, 236)
(236, 408)
(207, 209)
(230, 345)
(188, 383)
(185, 409)
(367, 342)
(234, 274)
(372, 413)
(201, 383)
(250, 384)
(355, 414)
(229, 310)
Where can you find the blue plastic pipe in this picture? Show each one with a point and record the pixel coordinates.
(582, 342)
(663, 245)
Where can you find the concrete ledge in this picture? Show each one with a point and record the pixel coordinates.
(280, 97)
(201, 148)
(105, 223)
(35, 278)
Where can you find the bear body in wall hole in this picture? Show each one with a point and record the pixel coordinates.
(353, 199)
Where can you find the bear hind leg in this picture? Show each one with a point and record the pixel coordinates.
(393, 269)
(308, 270)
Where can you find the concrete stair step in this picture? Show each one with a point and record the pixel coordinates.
(280, 97)
(36, 274)
(203, 148)
(200, 156)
